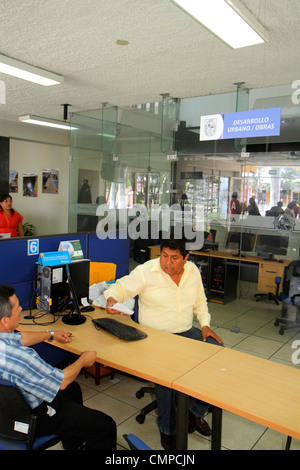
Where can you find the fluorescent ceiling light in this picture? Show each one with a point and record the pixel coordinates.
(227, 19)
(28, 72)
(40, 121)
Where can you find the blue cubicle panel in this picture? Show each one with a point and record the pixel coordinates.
(110, 250)
(18, 267)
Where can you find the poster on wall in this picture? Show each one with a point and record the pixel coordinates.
(13, 181)
(50, 181)
(30, 184)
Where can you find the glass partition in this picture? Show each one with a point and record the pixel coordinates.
(120, 157)
(128, 156)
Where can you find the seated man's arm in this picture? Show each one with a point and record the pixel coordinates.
(86, 359)
(124, 289)
(30, 338)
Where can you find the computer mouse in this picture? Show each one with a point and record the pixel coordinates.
(88, 308)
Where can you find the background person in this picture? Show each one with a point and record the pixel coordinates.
(277, 210)
(10, 220)
(235, 206)
(252, 209)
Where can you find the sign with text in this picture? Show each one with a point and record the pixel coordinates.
(54, 258)
(254, 123)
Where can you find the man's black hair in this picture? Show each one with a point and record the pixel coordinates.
(6, 292)
(175, 244)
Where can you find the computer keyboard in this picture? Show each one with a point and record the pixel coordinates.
(126, 332)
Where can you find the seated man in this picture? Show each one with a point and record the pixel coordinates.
(170, 292)
(51, 392)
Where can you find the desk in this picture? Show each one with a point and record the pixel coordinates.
(257, 389)
(226, 290)
(160, 358)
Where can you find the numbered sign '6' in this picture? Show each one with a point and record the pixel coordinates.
(33, 247)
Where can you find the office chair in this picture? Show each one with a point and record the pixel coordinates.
(270, 295)
(18, 422)
(290, 310)
(141, 392)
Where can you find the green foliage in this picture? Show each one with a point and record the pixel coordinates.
(29, 229)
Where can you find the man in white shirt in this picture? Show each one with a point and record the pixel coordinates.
(170, 292)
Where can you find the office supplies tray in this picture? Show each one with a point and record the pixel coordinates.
(122, 331)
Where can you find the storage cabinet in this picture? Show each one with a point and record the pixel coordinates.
(267, 276)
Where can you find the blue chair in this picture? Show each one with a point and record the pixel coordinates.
(135, 443)
(140, 418)
(18, 422)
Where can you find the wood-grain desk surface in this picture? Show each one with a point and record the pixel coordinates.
(257, 389)
(246, 258)
(229, 255)
(160, 358)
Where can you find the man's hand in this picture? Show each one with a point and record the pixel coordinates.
(62, 336)
(86, 359)
(206, 331)
(109, 304)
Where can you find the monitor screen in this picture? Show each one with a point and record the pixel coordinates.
(274, 244)
(240, 241)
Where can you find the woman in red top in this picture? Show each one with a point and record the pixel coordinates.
(10, 220)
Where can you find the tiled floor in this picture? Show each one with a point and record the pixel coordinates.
(244, 325)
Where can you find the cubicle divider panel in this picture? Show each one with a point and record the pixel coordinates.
(18, 261)
(110, 250)
(19, 257)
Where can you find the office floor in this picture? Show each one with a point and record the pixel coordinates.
(244, 325)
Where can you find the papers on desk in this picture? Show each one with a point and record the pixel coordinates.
(5, 235)
(95, 290)
(96, 295)
(99, 302)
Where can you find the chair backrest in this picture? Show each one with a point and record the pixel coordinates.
(291, 275)
(17, 421)
(135, 443)
(136, 309)
(100, 272)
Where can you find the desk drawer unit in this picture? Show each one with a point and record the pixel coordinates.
(267, 276)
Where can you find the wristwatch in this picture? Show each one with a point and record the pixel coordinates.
(51, 335)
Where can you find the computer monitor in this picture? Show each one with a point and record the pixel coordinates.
(75, 317)
(272, 244)
(240, 241)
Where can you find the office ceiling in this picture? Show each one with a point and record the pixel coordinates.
(168, 52)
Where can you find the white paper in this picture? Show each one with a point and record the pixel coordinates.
(99, 302)
(121, 308)
(126, 307)
(84, 302)
(95, 290)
